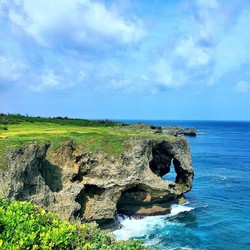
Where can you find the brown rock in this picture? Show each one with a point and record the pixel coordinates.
(95, 186)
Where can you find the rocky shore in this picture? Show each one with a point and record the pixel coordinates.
(174, 130)
(96, 186)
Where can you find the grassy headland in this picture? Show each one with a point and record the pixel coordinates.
(100, 135)
(94, 135)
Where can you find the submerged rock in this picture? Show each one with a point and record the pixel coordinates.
(95, 186)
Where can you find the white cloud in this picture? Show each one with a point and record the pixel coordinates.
(233, 49)
(74, 22)
(242, 87)
(208, 3)
(11, 69)
(166, 76)
(48, 79)
(163, 73)
(71, 36)
(68, 73)
(193, 54)
(189, 58)
(129, 84)
(217, 45)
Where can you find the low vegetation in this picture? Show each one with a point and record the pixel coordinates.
(10, 119)
(26, 226)
(100, 135)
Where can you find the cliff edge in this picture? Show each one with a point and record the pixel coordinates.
(96, 186)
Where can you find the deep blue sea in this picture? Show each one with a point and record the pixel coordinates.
(217, 213)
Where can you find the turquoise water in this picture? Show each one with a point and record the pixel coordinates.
(217, 214)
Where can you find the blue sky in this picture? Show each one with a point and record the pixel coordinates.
(124, 59)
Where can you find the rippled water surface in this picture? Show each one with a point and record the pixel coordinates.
(217, 215)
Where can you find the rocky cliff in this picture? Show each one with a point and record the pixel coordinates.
(97, 186)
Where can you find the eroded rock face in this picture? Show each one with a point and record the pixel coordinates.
(95, 186)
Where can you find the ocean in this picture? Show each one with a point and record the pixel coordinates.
(217, 213)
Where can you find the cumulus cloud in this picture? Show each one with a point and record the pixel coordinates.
(242, 87)
(233, 49)
(60, 44)
(11, 69)
(188, 59)
(62, 73)
(208, 3)
(193, 54)
(166, 76)
(63, 43)
(72, 22)
(217, 45)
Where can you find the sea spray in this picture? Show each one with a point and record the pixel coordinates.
(142, 228)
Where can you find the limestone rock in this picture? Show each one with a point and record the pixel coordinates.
(179, 131)
(96, 186)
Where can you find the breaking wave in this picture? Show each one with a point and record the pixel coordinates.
(141, 228)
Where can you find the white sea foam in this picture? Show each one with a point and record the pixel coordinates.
(222, 178)
(182, 248)
(201, 133)
(137, 228)
(142, 227)
(176, 209)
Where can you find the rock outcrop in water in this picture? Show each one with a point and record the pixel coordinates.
(96, 186)
(174, 130)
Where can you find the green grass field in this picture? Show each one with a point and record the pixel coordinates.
(106, 136)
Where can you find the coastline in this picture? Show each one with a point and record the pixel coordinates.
(88, 183)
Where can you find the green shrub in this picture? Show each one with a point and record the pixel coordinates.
(26, 226)
(18, 119)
